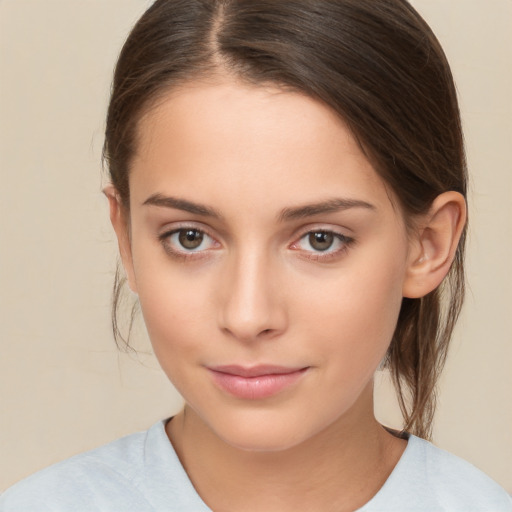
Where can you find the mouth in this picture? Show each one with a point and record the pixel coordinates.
(256, 382)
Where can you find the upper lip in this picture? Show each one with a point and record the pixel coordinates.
(255, 371)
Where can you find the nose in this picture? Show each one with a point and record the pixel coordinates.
(253, 306)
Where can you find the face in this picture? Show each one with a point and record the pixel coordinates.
(268, 257)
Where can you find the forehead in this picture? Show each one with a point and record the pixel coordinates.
(258, 142)
(241, 113)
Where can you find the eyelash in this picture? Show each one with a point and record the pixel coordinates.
(318, 255)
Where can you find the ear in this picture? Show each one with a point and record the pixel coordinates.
(120, 223)
(434, 244)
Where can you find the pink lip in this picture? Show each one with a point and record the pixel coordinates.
(256, 382)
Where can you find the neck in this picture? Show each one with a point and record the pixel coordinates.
(340, 468)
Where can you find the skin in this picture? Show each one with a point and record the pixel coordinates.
(258, 291)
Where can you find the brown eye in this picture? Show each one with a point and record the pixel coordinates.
(190, 238)
(322, 246)
(188, 242)
(321, 240)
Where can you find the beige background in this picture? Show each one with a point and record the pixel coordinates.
(63, 386)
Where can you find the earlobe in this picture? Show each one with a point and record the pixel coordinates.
(120, 223)
(434, 247)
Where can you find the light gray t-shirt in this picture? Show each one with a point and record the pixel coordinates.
(142, 473)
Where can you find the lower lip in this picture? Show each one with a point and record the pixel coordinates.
(256, 388)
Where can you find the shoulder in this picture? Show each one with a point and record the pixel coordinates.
(83, 480)
(456, 484)
(137, 473)
(428, 479)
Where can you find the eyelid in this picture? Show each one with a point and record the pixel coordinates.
(173, 227)
(341, 231)
(325, 225)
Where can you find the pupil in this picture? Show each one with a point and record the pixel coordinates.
(190, 238)
(321, 241)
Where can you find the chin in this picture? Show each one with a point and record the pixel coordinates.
(264, 442)
(263, 431)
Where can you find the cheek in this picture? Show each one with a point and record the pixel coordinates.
(356, 314)
(172, 301)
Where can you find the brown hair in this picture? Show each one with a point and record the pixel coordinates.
(374, 62)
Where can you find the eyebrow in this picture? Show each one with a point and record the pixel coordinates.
(329, 206)
(300, 212)
(182, 204)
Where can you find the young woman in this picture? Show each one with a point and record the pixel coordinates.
(288, 191)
